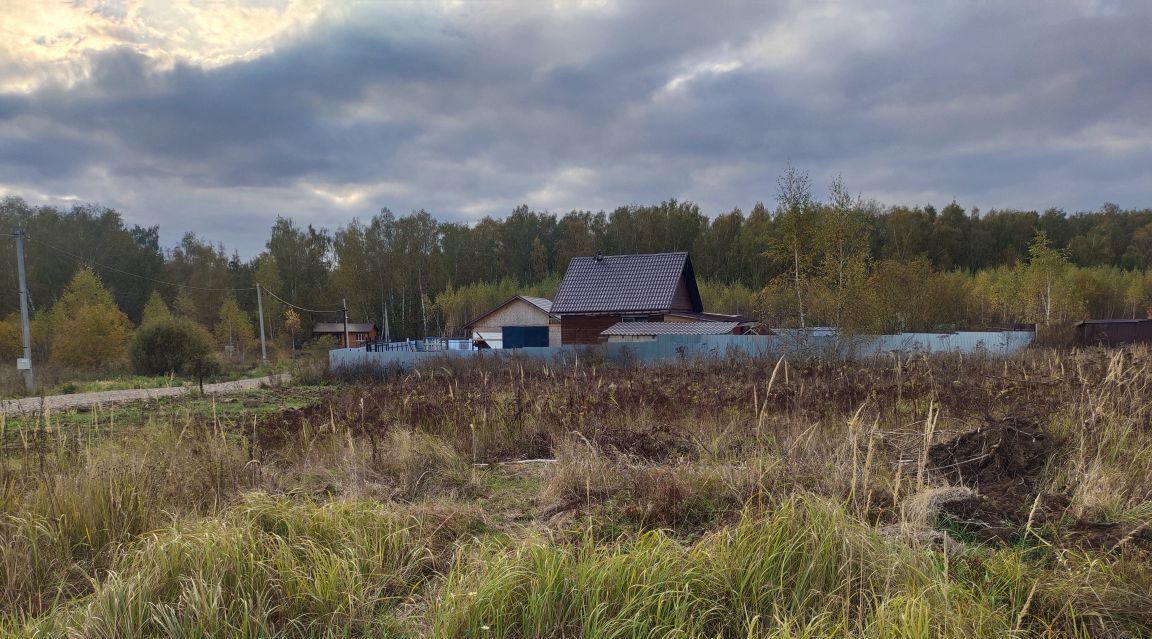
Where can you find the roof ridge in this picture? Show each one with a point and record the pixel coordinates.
(592, 257)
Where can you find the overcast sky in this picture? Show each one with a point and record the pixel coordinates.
(217, 116)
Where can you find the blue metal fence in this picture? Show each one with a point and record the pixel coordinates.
(674, 347)
(426, 345)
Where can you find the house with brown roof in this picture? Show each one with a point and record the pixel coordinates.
(358, 333)
(600, 292)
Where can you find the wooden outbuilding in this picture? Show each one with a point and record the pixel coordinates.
(1113, 332)
(520, 321)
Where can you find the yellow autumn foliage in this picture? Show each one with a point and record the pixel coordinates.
(88, 330)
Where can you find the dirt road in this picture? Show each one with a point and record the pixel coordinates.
(62, 402)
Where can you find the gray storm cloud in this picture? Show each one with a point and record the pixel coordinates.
(469, 109)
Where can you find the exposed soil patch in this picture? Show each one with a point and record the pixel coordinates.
(279, 428)
(1008, 456)
(536, 444)
(1109, 536)
(656, 442)
(1003, 461)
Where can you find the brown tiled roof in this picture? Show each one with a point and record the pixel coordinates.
(671, 328)
(624, 284)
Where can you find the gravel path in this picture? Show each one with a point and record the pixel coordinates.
(61, 402)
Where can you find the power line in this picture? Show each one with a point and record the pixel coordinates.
(175, 284)
(307, 310)
(130, 274)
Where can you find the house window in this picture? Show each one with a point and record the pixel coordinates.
(633, 318)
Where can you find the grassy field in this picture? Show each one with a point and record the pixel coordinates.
(919, 497)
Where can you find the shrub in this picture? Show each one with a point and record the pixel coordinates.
(11, 344)
(171, 345)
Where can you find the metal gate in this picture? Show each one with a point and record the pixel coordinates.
(521, 336)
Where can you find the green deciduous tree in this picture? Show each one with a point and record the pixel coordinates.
(200, 266)
(268, 275)
(155, 310)
(291, 326)
(234, 332)
(842, 242)
(171, 345)
(909, 295)
(185, 306)
(302, 259)
(1047, 268)
(794, 240)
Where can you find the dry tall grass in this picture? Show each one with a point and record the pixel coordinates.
(913, 496)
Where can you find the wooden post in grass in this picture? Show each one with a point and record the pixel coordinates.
(200, 374)
(344, 302)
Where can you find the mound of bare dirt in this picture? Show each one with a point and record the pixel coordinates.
(1003, 461)
(1008, 454)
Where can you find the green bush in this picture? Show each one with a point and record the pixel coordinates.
(172, 345)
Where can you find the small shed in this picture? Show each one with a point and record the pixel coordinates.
(520, 321)
(648, 331)
(359, 333)
(1113, 332)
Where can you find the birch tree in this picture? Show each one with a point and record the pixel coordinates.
(794, 240)
(1046, 268)
(845, 256)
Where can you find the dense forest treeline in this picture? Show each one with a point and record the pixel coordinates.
(806, 260)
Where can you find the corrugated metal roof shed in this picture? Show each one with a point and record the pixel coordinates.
(539, 302)
(1114, 332)
(670, 328)
(708, 317)
(625, 283)
(1114, 321)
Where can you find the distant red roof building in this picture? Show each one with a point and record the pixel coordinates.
(358, 333)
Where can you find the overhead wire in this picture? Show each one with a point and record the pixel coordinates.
(130, 274)
(307, 310)
(262, 287)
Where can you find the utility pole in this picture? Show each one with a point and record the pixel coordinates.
(24, 363)
(387, 333)
(260, 313)
(344, 301)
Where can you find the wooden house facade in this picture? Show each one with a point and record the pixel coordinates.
(518, 321)
(358, 333)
